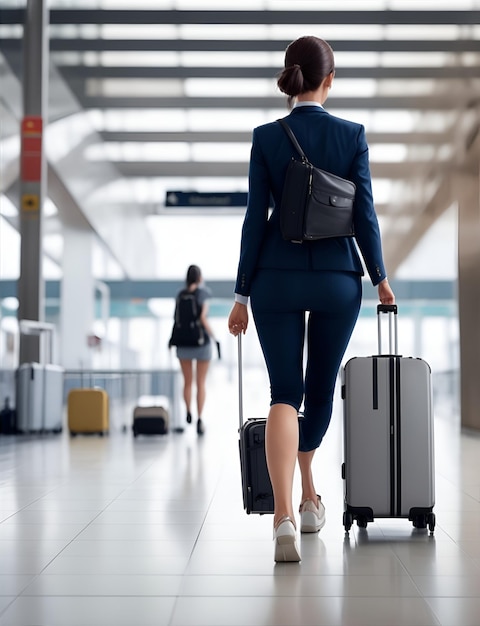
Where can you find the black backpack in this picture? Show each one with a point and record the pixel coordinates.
(187, 328)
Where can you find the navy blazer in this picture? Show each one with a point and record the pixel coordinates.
(332, 144)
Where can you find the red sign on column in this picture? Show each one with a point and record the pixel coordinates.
(31, 155)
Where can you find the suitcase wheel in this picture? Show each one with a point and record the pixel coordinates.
(347, 520)
(420, 521)
(362, 521)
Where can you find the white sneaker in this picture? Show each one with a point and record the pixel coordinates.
(285, 538)
(312, 516)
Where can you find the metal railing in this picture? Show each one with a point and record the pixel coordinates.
(124, 388)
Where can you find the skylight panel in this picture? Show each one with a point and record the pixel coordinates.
(195, 87)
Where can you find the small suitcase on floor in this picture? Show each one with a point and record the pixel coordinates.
(53, 398)
(256, 485)
(151, 416)
(388, 436)
(39, 398)
(30, 388)
(88, 411)
(8, 419)
(39, 389)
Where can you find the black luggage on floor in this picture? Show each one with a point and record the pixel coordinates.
(151, 416)
(256, 485)
(8, 419)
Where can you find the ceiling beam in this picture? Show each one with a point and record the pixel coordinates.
(398, 246)
(70, 213)
(180, 72)
(256, 45)
(359, 17)
(189, 169)
(82, 44)
(449, 101)
(9, 172)
(153, 207)
(411, 138)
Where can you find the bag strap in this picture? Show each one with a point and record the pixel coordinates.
(293, 139)
(197, 302)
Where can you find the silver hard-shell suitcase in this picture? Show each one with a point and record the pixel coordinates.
(388, 467)
(30, 390)
(39, 398)
(39, 388)
(53, 398)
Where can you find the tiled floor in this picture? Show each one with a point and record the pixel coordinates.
(118, 531)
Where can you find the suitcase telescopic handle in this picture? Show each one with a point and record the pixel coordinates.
(240, 381)
(45, 331)
(392, 311)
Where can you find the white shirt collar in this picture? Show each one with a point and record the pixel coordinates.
(307, 103)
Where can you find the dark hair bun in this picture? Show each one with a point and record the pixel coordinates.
(290, 80)
(308, 60)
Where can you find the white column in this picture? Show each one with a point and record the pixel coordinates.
(77, 299)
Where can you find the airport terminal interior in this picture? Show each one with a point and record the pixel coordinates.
(125, 135)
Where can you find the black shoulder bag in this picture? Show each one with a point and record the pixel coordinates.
(315, 204)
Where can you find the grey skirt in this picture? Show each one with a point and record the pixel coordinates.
(200, 353)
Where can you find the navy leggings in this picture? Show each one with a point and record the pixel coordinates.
(280, 300)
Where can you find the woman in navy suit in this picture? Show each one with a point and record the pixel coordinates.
(313, 287)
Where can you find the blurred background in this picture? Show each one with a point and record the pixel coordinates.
(148, 121)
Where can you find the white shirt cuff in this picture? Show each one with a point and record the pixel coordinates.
(241, 299)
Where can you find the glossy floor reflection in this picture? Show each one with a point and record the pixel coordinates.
(151, 531)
